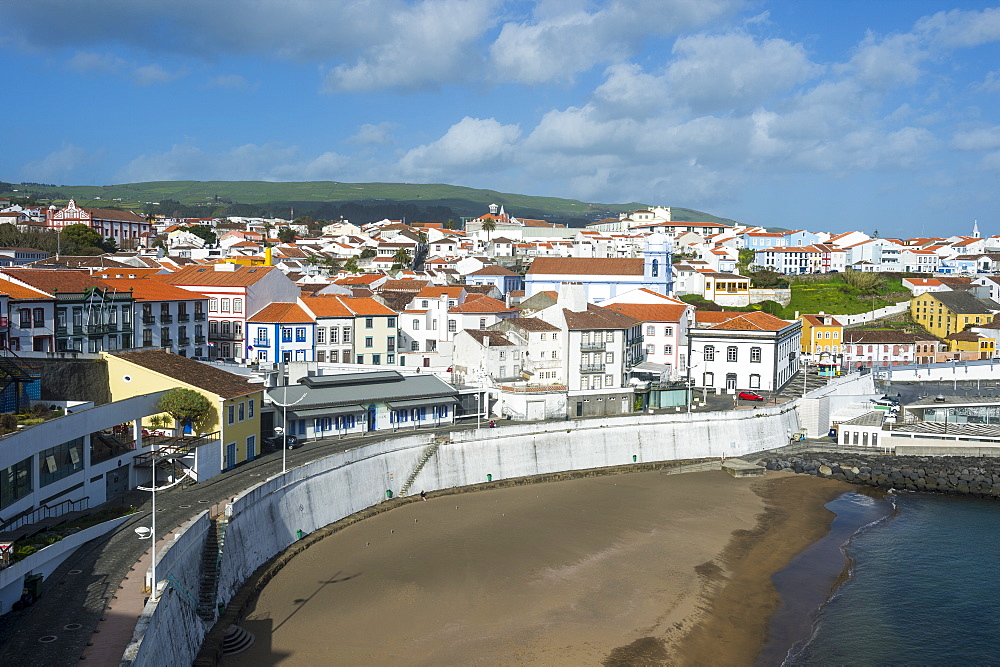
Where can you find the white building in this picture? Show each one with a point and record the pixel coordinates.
(743, 351)
(665, 322)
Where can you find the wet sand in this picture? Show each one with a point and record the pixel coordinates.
(644, 568)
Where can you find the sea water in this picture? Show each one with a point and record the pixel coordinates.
(921, 586)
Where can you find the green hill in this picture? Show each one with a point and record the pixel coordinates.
(215, 196)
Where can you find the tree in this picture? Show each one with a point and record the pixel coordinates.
(186, 406)
(489, 225)
(204, 232)
(746, 258)
(449, 224)
(352, 265)
(368, 252)
(81, 239)
(286, 235)
(401, 259)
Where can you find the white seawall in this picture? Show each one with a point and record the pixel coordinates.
(265, 520)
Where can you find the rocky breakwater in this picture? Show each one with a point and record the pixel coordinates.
(958, 475)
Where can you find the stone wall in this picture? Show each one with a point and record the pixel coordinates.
(959, 475)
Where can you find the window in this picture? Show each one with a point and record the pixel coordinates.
(391, 323)
(608, 379)
(709, 379)
(60, 461)
(39, 316)
(361, 359)
(416, 325)
(482, 323)
(232, 414)
(225, 305)
(424, 304)
(452, 326)
(543, 336)
(321, 336)
(213, 305)
(827, 334)
(390, 359)
(668, 331)
(242, 412)
(555, 336)
(300, 334)
(755, 355)
(503, 371)
(650, 331)
(836, 334)
(390, 343)
(656, 268)
(668, 349)
(414, 346)
(731, 353)
(754, 381)
(369, 322)
(503, 354)
(709, 353)
(554, 354)
(286, 334)
(376, 359)
(609, 357)
(369, 341)
(650, 349)
(334, 356)
(250, 409)
(237, 305)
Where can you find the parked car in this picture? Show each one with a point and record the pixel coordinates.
(750, 396)
(274, 443)
(226, 360)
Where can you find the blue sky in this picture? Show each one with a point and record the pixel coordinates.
(825, 115)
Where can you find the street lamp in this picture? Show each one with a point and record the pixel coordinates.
(284, 425)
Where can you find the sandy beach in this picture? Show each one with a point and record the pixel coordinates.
(644, 568)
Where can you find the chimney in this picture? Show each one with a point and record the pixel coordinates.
(486, 341)
(225, 266)
(572, 297)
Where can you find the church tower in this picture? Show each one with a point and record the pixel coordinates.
(975, 229)
(658, 264)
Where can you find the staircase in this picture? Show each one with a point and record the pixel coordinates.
(210, 557)
(421, 462)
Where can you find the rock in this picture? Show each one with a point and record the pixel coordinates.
(825, 471)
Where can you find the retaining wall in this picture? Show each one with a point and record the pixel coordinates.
(265, 520)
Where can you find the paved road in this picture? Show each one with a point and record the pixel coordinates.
(69, 599)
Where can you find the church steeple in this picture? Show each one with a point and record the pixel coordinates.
(975, 229)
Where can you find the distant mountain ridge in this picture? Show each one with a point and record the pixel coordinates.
(308, 196)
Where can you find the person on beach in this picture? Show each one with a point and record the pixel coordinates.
(423, 495)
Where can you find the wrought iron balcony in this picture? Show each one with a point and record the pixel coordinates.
(261, 342)
(199, 317)
(591, 368)
(166, 319)
(149, 319)
(183, 317)
(592, 347)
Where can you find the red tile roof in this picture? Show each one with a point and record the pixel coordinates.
(587, 266)
(281, 312)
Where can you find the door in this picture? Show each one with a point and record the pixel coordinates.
(579, 408)
(536, 409)
(230, 459)
(116, 482)
(251, 447)
(371, 418)
(730, 381)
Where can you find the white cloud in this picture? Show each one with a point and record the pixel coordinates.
(471, 144)
(229, 82)
(96, 63)
(960, 28)
(372, 134)
(268, 162)
(60, 166)
(424, 45)
(563, 39)
(894, 60)
(980, 139)
(148, 75)
(721, 71)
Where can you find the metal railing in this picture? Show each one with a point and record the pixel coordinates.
(591, 368)
(592, 347)
(261, 342)
(45, 512)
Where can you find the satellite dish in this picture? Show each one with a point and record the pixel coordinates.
(278, 430)
(143, 532)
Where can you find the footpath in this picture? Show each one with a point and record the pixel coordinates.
(93, 599)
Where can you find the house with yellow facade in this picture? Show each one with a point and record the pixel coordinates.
(945, 313)
(972, 344)
(821, 334)
(236, 403)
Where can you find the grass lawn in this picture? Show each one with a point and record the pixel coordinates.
(837, 298)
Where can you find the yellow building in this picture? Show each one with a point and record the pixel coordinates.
(236, 403)
(967, 341)
(945, 313)
(821, 333)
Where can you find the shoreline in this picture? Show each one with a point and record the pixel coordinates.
(611, 569)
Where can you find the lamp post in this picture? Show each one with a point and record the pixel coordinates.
(284, 425)
(141, 531)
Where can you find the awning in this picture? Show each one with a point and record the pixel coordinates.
(650, 367)
(422, 402)
(311, 413)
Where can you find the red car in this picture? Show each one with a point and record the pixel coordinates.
(750, 396)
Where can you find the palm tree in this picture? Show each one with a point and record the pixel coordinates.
(402, 258)
(489, 225)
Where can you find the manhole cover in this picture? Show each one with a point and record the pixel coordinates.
(74, 572)
(203, 501)
(48, 638)
(184, 507)
(72, 626)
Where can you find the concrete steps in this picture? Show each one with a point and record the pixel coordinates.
(421, 462)
(210, 570)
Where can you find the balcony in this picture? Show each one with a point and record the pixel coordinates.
(634, 340)
(183, 317)
(148, 319)
(591, 368)
(226, 336)
(199, 317)
(166, 342)
(183, 341)
(62, 331)
(166, 319)
(261, 342)
(592, 347)
(199, 340)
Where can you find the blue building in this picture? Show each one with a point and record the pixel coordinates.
(281, 332)
(505, 280)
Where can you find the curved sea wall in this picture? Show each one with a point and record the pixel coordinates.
(266, 519)
(960, 475)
